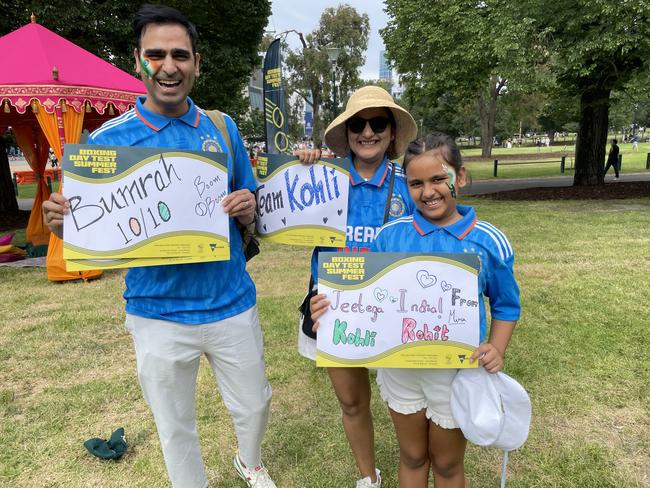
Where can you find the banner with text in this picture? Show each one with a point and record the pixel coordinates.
(150, 203)
(398, 310)
(275, 113)
(301, 204)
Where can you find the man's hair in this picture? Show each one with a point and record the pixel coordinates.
(162, 14)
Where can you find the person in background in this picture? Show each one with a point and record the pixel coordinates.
(613, 159)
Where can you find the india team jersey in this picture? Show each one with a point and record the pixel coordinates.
(193, 293)
(366, 207)
(496, 279)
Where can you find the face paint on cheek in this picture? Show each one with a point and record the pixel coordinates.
(452, 179)
(149, 67)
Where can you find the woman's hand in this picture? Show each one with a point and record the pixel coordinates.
(307, 156)
(317, 307)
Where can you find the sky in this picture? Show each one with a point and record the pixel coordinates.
(303, 16)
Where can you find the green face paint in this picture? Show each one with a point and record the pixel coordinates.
(452, 179)
(150, 68)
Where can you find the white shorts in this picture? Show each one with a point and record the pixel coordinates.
(408, 391)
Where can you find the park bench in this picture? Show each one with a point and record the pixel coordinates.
(562, 162)
(29, 177)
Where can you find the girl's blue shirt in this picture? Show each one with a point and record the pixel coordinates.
(496, 279)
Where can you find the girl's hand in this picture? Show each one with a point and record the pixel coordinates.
(318, 306)
(489, 357)
(307, 156)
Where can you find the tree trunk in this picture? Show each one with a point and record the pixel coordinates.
(8, 202)
(487, 112)
(592, 137)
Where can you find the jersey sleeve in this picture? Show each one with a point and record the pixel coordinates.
(242, 166)
(380, 242)
(502, 289)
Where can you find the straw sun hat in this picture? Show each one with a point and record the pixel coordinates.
(336, 136)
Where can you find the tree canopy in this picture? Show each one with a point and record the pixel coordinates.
(229, 36)
(310, 73)
(467, 49)
(574, 51)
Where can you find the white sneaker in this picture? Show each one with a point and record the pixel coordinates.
(255, 478)
(616, 178)
(366, 483)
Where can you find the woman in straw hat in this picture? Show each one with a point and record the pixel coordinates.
(372, 131)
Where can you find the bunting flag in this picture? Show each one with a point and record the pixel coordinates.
(277, 123)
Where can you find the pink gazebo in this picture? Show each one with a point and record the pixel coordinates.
(50, 90)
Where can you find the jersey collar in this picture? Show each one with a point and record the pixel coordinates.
(157, 122)
(458, 229)
(377, 179)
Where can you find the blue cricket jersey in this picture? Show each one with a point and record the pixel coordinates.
(195, 293)
(496, 278)
(366, 206)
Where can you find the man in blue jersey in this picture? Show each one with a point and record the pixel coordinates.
(177, 313)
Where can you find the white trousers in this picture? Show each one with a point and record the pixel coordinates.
(168, 355)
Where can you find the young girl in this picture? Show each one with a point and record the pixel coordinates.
(419, 399)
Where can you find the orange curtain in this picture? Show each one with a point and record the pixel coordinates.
(36, 150)
(69, 125)
(73, 124)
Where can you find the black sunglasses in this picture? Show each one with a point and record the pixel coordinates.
(377, 124)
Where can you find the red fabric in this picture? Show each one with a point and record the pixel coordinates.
(27, 57)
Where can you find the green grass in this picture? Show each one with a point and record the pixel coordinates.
(67, 368)
(29, 191)
(633, 161)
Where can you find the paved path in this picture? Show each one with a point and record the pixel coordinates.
(492, 186)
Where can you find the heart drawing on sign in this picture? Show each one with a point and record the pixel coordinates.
(325, 219)
(264, 226)
(425, 279)
(284, 220)
(393, 299)
(339, 211)
(445, 286)
(380, 294)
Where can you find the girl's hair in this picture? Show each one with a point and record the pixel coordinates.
(436, 141)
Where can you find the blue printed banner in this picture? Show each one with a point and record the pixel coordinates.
(301, 204)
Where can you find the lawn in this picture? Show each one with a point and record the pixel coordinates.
(632, 161)
(67, 368)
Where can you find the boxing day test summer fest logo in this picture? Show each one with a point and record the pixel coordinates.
(398, 310)
(136, 206)
(302, 204)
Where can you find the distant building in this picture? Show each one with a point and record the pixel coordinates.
(256, 91)
(385, 71)
(309, 118)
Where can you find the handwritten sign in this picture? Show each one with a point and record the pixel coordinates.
(398, 310)
(299, 204)
(137, 202)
